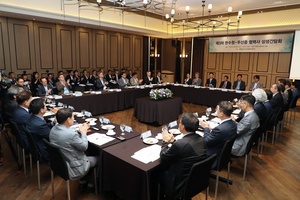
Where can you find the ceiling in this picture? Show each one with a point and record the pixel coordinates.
(258, 16)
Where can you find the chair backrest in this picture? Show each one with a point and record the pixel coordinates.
(2, 123)
(225, 155)
(198, 178)
(15, 131)
(57, 162)
(293, 103)
(252, 140)
(32, 146)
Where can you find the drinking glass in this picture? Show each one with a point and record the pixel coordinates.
(101, 119)
(207, 112)
(122, 128)
(83, 113)
(164, 128)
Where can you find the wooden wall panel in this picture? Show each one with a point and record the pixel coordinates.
(283, 63)
(262, 62)
(138, 55)
(227, 62)
(113, 51)
(21, 43)
(100, 50)
(243, 62)
(4, 47)
(212, 61)
(65, 47)
(45, 46)
(84, 48)
(126, 52)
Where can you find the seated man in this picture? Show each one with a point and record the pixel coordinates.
(180, 157)
(239, 84)
(211, 81)
(38, 127)
(72, 144)
(123, 82)
(157, 79)
(148, 79)
(255, 84)
(246, 127)
(44, 89)
(215, 138)
(21, 114)
(197, 81)
(225, 83)
(100, 82)
(62, 86)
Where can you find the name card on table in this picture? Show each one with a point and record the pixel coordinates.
(98, 92)
(172, 124)
(128, 129)
(88, 114)
(211, 88)
(57, 97)
(224, 90)
(146, 134)
(59, 104)
(238, 91)
(106, 121)
(71, 107)
(197, 87)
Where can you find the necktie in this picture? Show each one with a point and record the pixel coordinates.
(224, 85)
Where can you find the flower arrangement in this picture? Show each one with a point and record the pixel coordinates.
(163, 93)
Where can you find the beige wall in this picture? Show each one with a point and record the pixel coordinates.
(39, 46)
(269, 66)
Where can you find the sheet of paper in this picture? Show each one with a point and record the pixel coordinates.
(48, 113)
(236, 111)
(99, 138)
(148, 154)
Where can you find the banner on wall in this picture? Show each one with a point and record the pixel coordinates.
(252, 43)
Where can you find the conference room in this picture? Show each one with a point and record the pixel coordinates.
(224, 41)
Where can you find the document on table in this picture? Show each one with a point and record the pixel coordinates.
(48, 113)
(236, 111)
(99, 138)
(148, 154)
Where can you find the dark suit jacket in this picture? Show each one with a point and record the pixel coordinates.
(261, 111)
(146, 80)
(242, 85)
(42, 91)
(21, 117)
(259, 85)
(228, 85)
(189, 81)
(268, 107)
(216, 138)
(155, 80)
(98, 84)
(84, 80)
(213, 82)
(277, 102)
(179, 158)
(40, 130)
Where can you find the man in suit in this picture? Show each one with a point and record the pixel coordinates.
(70, 77)
(211, 81)
(21, 114)
(157, 79)
(100, 82)
(276, 100)
(239, 84)
(85, 78)
(188, 79)
(62, 86)
(72, 144)
(255, 84)
(44, 89)
(197, 81)
(134, 81)
(38, 127)
(215, 138)
(148, 79)
(123, 81)
(246, 127)
(225, 83)
(129, 75)
(180, 157)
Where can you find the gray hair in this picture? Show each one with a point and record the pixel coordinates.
(13, 91)
(260, 95)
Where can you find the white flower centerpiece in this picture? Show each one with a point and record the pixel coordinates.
(163, 93)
